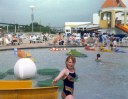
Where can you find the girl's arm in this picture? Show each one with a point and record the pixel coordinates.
(61, 74)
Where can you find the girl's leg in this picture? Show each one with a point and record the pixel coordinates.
(69, 97)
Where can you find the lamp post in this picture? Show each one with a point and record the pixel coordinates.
(32, 15)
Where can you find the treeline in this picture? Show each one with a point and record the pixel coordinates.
(28, 28)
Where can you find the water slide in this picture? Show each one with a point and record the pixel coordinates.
(122, 27)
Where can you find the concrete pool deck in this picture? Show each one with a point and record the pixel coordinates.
(27, 45)
(38, 45)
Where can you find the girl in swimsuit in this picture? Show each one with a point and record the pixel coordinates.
(68, 75)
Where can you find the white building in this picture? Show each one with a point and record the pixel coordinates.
(73, 27)
(96, 18)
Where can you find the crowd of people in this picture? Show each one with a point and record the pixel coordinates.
(18, 38)
(10, 39)
(77, 39)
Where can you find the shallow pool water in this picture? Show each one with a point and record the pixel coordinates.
(107, 79)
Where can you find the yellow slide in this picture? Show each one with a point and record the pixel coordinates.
(122, 27)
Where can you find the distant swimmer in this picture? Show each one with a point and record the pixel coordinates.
(98, 57)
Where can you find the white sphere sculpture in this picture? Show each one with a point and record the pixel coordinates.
(25, 68)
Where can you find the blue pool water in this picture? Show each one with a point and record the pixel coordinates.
(97, 80)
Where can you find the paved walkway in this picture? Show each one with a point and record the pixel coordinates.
(28, 45)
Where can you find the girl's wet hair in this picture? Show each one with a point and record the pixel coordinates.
(72, 58)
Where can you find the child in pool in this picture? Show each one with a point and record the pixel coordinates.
(68, 75)
(98, 57)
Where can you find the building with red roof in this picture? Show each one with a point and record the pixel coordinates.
(113, 3)
(109, 11)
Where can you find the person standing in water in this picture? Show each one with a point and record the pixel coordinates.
(68, 75)
(98, 57)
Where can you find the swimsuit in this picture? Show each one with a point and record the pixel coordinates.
(68, 85)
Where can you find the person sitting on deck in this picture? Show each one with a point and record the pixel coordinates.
(92, 48)
(60, 39)
(14, 40)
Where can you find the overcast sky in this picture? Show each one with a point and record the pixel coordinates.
(49, 12)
